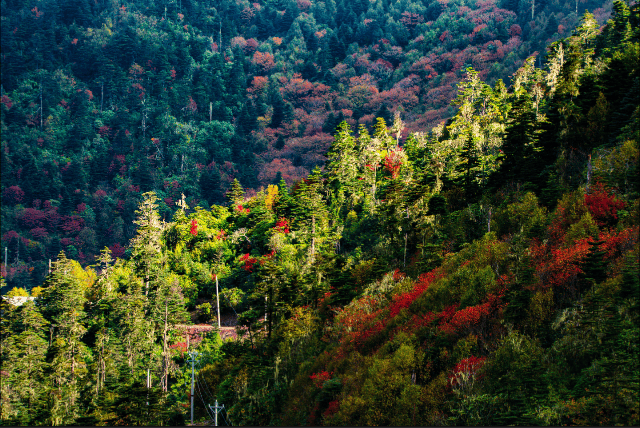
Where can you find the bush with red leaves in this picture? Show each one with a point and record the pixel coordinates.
(320, 378)
(248, 262)
(603, 205)
(12, 195)
(465, 373)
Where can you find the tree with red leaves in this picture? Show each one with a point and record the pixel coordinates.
(603, 204)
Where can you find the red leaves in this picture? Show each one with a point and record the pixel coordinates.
(515, 30)
(602, 204)
(32, 218)
(248, 262)
(242, 210)
(469, 365)
(192, 106)
(264, 60)
(320, 378)
(6, 101)
(39, 233)
(12, 195)
(465, 372)
(393, 162)
(468, 318)
(10, 235)
(332, 409)
(410, 20)
(282, 225)
(404, 300)
(194, 227)
(72, 224)
(117, 251)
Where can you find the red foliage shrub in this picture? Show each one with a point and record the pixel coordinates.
(194, 227)
(560, 267)
(282, 225)
(72, 224)
(468, 367)
(602, 204)
(12, 195)
(248, 262)
(39, 233)
(242, 210)
(264, 60)
(393, 162)
(320, 378)
(6, 101)
(117, 251)
(515, 30)
(332, 409)
(192, 106)
(8, 236)
(67, 241)
(472, 318)
(616, 243)
(404, 300)
(32, 218)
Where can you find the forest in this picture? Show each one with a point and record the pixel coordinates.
(105, 100)
(407, 248)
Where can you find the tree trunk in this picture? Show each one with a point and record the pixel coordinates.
(313, 235)
(165, 361)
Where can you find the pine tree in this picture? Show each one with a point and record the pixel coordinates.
(146, 246)
(167, 309)
(24, 365)
(63, 305)
(593, 265)
(235, 195)
(342, 166)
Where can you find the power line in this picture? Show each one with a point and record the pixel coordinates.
(225, 417)
(203, 402)
(192, 360)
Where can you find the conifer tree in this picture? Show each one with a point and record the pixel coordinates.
(167, 310)
(342, 165)
(63, 304)
(24, 365)
(235, 195)
(146, 246)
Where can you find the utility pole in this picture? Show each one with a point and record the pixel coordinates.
(5, 262)
(148, 386)
(216, 409)
(192, 360)
(218, 303)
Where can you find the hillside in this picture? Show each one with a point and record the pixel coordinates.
(103, 101)
(485, 272)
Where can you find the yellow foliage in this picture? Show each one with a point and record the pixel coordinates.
(272, 193)
(18, 292)
(36, 291)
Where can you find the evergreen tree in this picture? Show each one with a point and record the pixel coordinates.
(24, 349)
(146, 246)
(63, 302)
(235, 195)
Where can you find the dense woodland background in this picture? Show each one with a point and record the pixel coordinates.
(105, 100)
(400, 237)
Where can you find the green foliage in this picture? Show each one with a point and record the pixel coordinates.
(424, 283)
